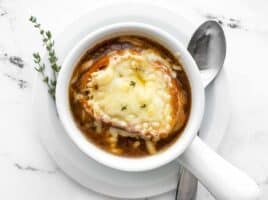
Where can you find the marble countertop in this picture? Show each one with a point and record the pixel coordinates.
(26, 170)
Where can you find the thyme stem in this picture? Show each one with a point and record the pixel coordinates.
(49, 43)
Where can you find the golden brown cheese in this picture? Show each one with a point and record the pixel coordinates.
(136, 91)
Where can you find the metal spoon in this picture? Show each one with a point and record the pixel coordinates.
(208, 48)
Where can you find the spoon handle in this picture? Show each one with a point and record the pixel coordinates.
(187, 187)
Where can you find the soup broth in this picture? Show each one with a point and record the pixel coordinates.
(126, 137)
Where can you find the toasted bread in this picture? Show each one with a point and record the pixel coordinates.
(134, 91)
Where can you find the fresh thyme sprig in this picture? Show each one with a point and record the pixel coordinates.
(48, 42)
(51, 84)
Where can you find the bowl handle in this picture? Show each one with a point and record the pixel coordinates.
(222, 179)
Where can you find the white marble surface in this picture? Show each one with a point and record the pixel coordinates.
(27, 172)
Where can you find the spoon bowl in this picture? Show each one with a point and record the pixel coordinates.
(208, 48)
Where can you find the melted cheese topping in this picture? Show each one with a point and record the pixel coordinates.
(133, 92)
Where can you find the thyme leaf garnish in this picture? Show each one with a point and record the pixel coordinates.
(143, 105)
(123, 108)
(132, 83)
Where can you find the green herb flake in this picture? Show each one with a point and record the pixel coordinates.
(143, 105)
(123, 108)
(132, 83)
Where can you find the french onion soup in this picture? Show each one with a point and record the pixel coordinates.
(130, 96)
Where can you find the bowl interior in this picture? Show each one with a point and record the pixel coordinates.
(117, 162)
